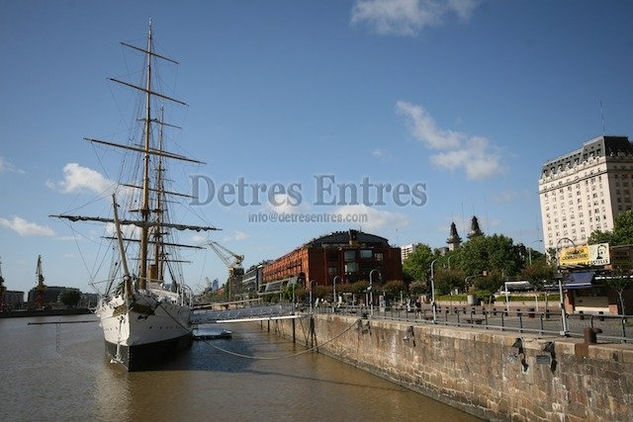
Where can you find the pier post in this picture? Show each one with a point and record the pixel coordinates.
(294, 337)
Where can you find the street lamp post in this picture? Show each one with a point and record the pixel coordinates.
(530, 251)
(371, 291)
(335, 300)
(565, 331)
(293, 297)
(433, 292)
(311, 296)
(466, 281)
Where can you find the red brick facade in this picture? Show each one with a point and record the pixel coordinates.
(350, 255)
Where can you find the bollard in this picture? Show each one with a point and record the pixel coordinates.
(589, 335)
(581, 315)
(601, 315)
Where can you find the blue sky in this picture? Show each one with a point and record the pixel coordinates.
(467, 97)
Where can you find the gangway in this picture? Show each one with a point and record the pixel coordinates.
(258, 313)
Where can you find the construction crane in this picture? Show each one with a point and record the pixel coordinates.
(233, 262)
(40, 288)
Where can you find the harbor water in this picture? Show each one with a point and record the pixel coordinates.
(59, 372)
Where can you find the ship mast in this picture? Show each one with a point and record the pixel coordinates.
(145, 207)
(149, 267)
(158, 233)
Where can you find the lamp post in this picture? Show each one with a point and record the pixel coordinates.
(293, 296)
(466, 281)
(530, 251)
(433, 291)
(371, 292)
(310, 296)
(565, 331)
(335, 300)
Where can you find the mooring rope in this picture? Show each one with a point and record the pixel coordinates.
(240, 355)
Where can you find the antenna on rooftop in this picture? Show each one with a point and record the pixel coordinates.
(602, 118)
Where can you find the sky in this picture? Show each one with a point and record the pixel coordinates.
(460, 102)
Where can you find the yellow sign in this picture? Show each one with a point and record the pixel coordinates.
(575, 255)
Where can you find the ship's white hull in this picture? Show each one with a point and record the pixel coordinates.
(154, 328)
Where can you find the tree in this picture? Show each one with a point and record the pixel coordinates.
(447, 280)
(539, 272)
(70, 297)
(622, 233)
(418, 263)
(621, 280)
(491, 253)
(393, 288)
(487, 285)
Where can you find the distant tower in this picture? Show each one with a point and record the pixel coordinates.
(2, 289)
(453, 240)
(475, 231)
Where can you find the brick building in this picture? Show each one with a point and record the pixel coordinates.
(351, 255)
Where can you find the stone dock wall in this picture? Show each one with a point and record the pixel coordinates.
(486, 373)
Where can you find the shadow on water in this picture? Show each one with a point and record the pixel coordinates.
(218, 355)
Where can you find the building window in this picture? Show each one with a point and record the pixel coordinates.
(351, 267)
(350, 256)
(365, 253)
(378, 256)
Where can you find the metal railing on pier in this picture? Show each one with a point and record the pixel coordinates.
(614, 328)
(247, 313)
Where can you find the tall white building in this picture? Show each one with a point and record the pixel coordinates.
(406, 250)
(584, 190)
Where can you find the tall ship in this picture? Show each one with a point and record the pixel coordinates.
(145, 306)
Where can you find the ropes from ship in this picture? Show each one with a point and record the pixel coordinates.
(240, 355)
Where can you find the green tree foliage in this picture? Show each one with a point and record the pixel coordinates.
(418, 264)
(447, 280)
(487, 285)
(622, 233)
(322, 292)
(359, 287)
(393, 288)
(70, 297)
(539, 272)
(491, 253)
(418, 288)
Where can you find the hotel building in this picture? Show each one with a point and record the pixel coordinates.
(584, 190)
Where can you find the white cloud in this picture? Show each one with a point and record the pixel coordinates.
(128, 231)
(77, 178)
(375, 218)
(198, 239)
(408, 17)
(475, 157)
(26, 228)
(283, 204)
(237, 235)
(380, 153)
(473, 154)
(8, 166)
(424, 129)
